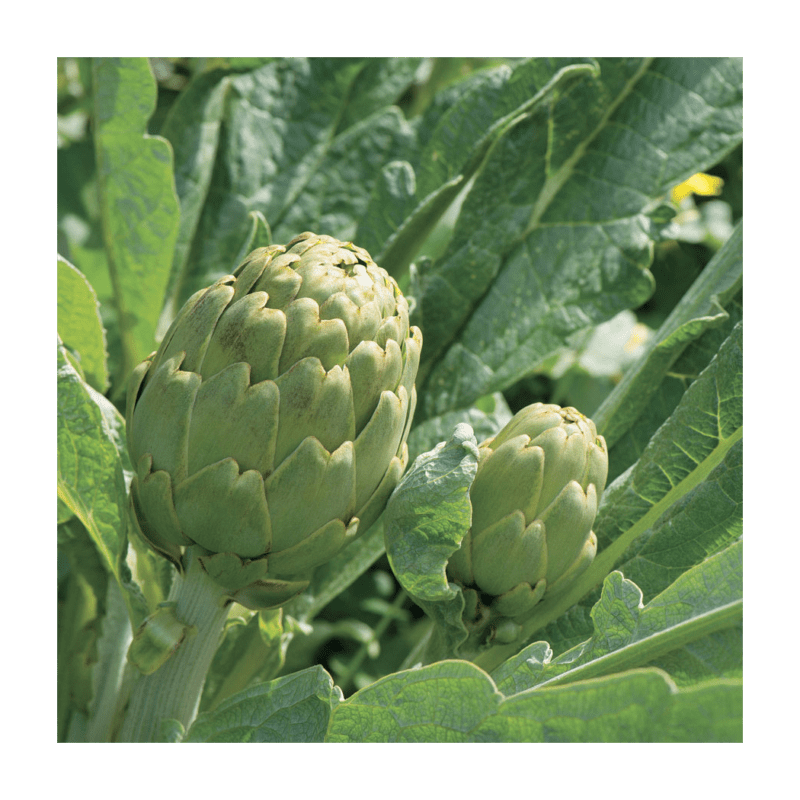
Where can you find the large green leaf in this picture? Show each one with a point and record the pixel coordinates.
(91, 479)
(79, 324)
(454, 138)
(670, 388)
(138, 204)
(556, 233)
(703, 602)
(694, 452)
(455, 701)
(295, 708)
(637, 706)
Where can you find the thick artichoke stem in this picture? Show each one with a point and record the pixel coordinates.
(173, 691)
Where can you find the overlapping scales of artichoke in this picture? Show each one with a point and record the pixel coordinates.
(270, 426)
(534, 501)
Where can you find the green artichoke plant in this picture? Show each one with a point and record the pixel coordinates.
(534, 500)
(270, 427)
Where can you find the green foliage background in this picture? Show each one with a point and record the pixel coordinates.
(525, 207)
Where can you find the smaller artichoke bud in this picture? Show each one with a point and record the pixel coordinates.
(534, 500)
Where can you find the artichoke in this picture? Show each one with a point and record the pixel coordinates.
(534, 500)
(270, 427)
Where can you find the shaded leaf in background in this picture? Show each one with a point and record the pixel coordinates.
(295, 139)
(193, 128)
(486, 418)
(336, 575)
(254, 647)
(701, 308)
(76, 651)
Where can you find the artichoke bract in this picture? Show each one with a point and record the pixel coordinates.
(534, 500)
(270, 427)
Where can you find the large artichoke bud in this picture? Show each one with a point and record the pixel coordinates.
(534, 500)
(269, 428)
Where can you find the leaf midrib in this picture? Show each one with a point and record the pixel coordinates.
(659, 643)
(554, 183)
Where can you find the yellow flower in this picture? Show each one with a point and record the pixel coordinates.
(699, 183)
